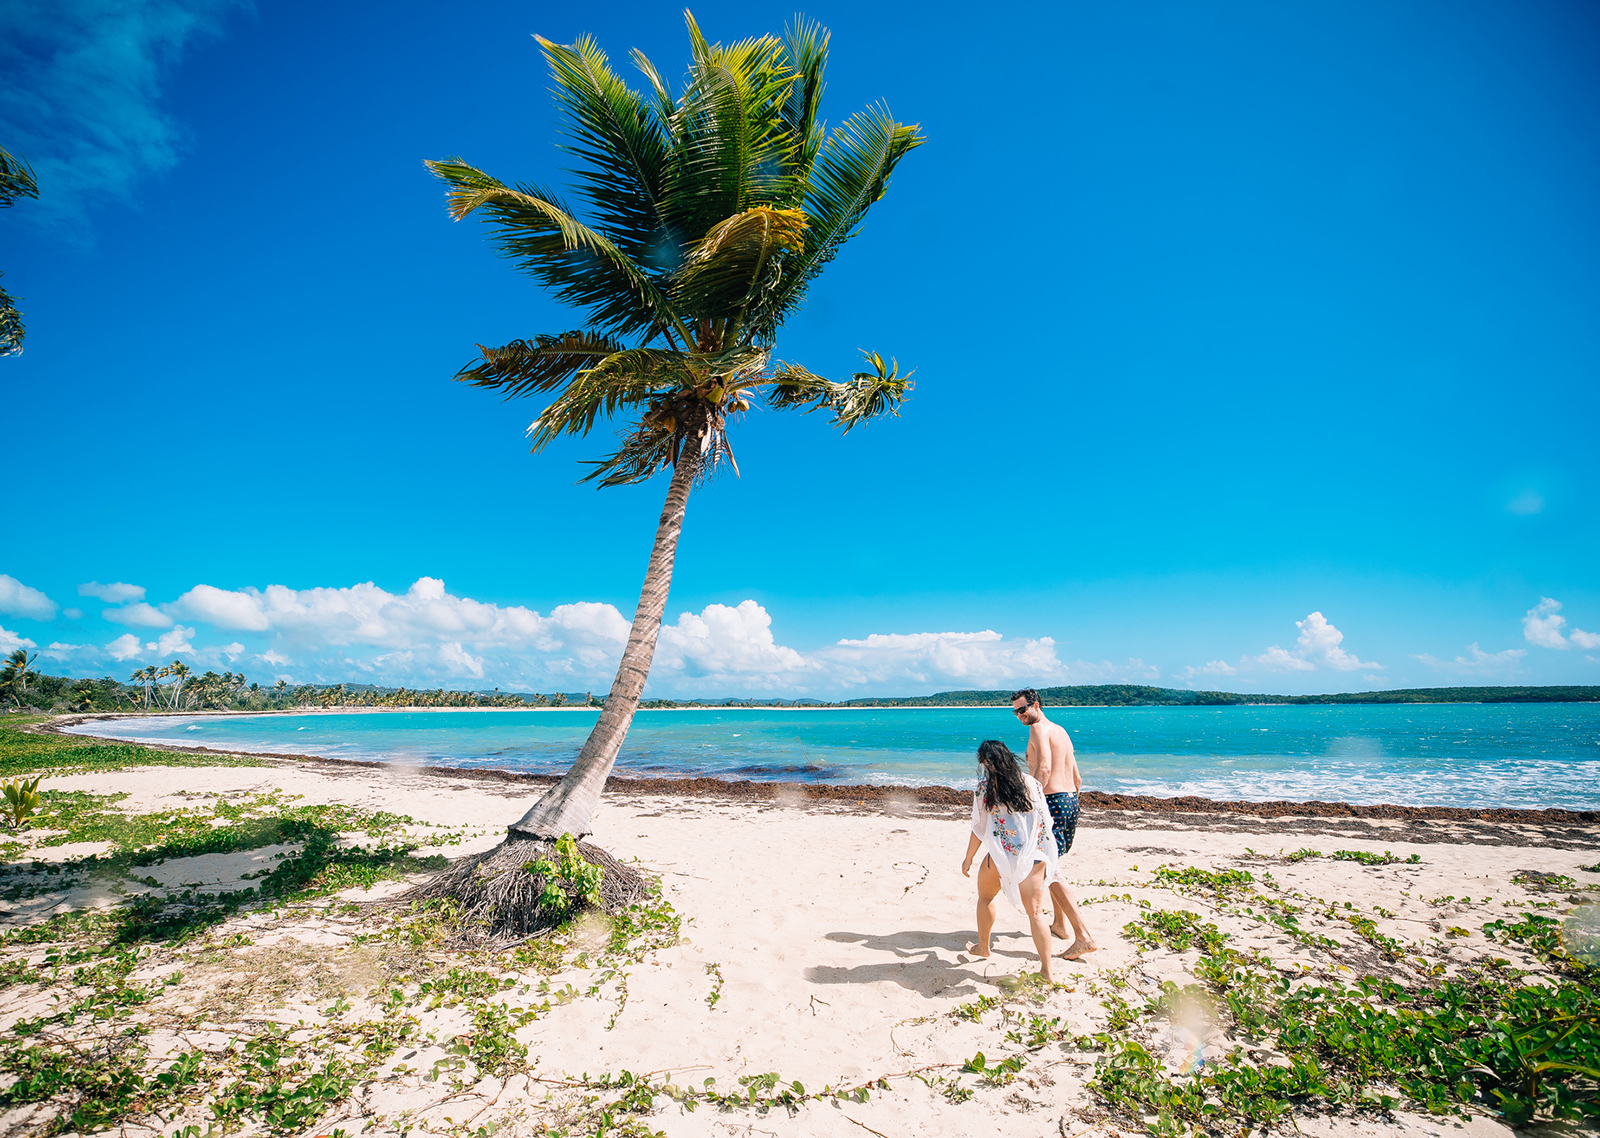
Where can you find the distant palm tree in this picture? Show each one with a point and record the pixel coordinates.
(144, 677)
(16, 182)
(714, 208)
(15, 673)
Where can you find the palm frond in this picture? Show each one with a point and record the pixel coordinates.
(621, 380)
(524, 368)
(865, 395)
(731, 147)
(666, 105)
(623, 142)
(738, 262)
(850, 174)
(11, 330)
(869, 394)
(16, 180)
(643, 453)
(583, 267)
(793, 388)
(806, 48)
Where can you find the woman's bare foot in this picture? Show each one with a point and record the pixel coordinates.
(972, 950)
(1059, 929)
(1078, 949)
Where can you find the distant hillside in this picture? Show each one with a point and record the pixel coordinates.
(1138, 695)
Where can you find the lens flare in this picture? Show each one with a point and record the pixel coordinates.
(1580, 934)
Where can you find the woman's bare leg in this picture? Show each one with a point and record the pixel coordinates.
(1033, 894)
(988, 890)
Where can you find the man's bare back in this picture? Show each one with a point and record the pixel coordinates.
(1050, 757)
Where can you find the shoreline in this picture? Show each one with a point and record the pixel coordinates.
(919, 799)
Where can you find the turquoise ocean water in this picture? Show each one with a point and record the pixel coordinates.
(1522, 755)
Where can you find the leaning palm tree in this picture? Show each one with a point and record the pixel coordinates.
(713, 208)
(16, 182)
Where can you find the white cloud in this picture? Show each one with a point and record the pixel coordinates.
(1318, 645)
(272, 658)
(72, 614)
(140, 615)
(1320, 641)
(19, 600)
(175, 641)
(222, 608)
(1585, 639)
(1542, 624)
(725, 644)
(10, 641)
(82, 97)
(1213, 668)
(1276, 659)
(956, 659)
(1477, 661)
(232, 651)
(59, 651)
(115, 593)
(460, 662)
(125, 647)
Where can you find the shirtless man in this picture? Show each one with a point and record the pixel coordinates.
(1051, 761)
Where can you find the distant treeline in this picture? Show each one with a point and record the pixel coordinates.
(1138, 695)
(178, 688)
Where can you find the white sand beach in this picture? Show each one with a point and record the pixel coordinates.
(818, 943)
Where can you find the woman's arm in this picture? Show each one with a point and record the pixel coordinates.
(973, 845)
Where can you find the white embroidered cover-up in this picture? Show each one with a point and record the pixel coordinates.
(1015, 842)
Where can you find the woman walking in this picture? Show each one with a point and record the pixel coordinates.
(1011, 824)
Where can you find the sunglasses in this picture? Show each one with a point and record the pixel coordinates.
(1019, 712)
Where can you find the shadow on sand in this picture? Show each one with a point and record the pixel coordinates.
(917, 966)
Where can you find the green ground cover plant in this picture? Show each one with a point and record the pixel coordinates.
(28, 752)
(1523, 1047)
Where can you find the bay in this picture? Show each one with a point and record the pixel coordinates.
(1514, 755)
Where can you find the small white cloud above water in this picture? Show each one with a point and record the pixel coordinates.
(1543, 624)
(1477, 661)
(1319, 645)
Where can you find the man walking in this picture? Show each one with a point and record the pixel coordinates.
(1051, 761)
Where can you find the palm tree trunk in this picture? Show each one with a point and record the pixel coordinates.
(569, 806)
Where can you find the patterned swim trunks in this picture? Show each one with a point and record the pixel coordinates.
(1063, 818)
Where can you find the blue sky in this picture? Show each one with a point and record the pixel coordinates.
(1256, 348)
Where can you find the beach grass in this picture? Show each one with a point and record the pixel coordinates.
(25, 752)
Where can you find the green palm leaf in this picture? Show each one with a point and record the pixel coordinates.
(806, 54)
(739, 262)
(582, 266)
(732, 150)
(621, 380)
(623, 141)
(524, 368)
(12, 331)
(865, 396)
(850, 174)
(16, 180)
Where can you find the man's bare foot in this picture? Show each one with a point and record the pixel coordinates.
(1078, 949)
(972, 950)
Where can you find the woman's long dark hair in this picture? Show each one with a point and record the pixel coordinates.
(1002, 778)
